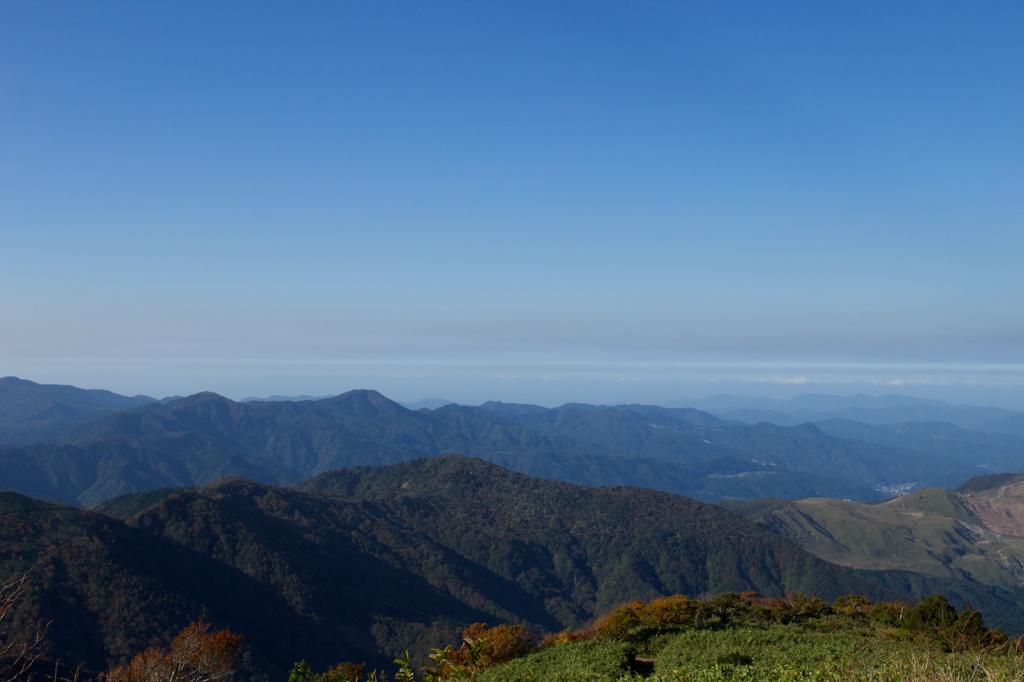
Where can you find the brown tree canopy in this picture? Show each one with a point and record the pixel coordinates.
(195, 655)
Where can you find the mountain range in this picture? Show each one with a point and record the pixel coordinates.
(364, 527)
(89, 450)
(874, 410)
(32, 412)
(360, 564)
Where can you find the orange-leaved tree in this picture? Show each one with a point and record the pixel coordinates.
(484, 647)
(195, 655)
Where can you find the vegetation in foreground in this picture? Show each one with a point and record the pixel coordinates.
(671, 639)
(729, 637)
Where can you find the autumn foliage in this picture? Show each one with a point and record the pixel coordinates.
(195, 655)
(500, 644)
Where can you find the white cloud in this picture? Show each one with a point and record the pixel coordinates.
(788, 381)
(909, 382)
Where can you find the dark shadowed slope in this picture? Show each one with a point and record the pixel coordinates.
(362, 564)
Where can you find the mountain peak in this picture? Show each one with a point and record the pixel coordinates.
(197, 399)
(362, 399)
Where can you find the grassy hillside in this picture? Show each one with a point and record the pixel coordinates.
(968, 542)
(747, 637)
(933, 532)
(826, 650)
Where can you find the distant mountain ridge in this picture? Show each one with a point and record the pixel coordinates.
(284, 398)
(873, 410)
(33, 412)
(194, 440)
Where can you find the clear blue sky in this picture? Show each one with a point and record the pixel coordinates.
(527, 201)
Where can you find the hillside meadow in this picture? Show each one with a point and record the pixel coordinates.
(727, 637)
(671, 639)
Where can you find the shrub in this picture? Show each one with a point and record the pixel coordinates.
(617, 623)
(485, 647)
(675, 611)
(851, 604)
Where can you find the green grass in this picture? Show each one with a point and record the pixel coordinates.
(778, 652)
(588, 661)
(827, 650)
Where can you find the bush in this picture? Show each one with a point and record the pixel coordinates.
(675, 611)
(617, 623)
(851, 605)
(485, 647)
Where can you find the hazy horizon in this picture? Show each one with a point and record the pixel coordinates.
(670, 391)
(601, 202)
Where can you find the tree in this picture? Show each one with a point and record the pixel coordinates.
(343, 672)
(931, 613)
(19, 648)
(482, 648)
(195, 655)
(851, 605)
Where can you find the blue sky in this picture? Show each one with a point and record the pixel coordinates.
(525, 201)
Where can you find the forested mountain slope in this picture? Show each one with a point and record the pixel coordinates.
(194, 440)
(34, 412)
(361, 564)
